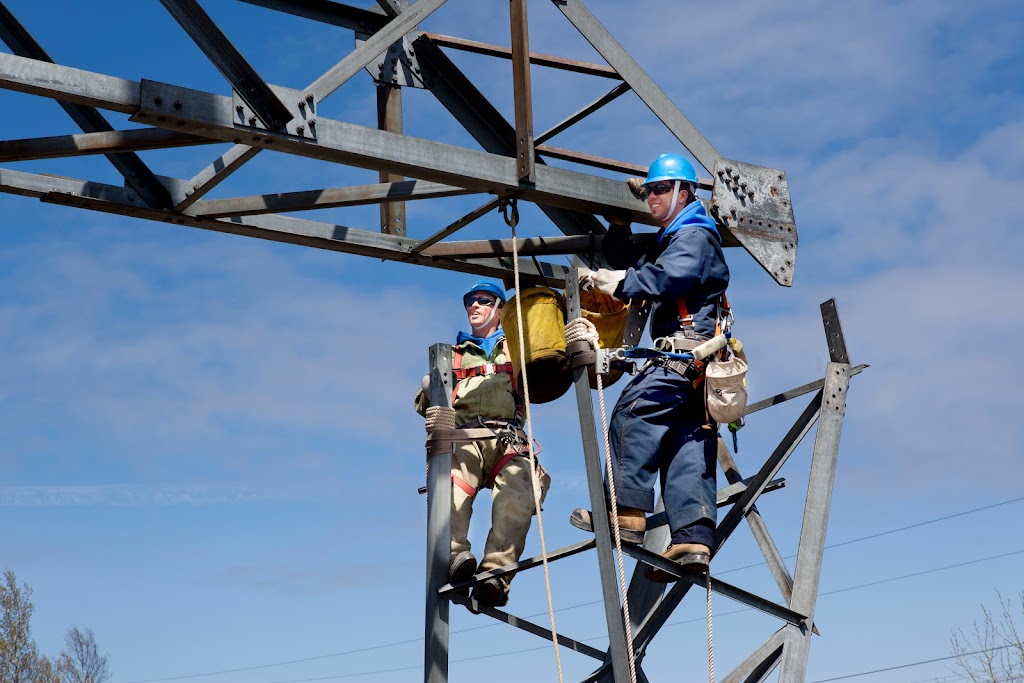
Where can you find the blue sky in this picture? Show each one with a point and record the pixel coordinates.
(209, 454)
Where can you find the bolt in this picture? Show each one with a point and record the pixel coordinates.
(158, 100)
(239, 108)
(196, 186)
(131, 197)
(188, 193)
(311, 122)
(300, 103)
(252, 120)
(309, 98)
(177, 104)
(300, 129)
(750, 194)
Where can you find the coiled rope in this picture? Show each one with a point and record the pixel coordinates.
(582, 329)
(512, 222)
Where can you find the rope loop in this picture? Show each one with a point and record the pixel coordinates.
(439, 418)
(582, 329)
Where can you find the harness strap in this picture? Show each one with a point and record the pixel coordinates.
(686, 318)
(500, 465)
(464, 485)
(484, 370)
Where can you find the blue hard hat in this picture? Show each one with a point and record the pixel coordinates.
(484, 286)
(671, 167)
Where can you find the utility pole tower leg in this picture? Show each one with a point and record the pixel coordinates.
(439, 504)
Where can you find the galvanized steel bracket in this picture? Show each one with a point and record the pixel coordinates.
(397, 66)
(300, 103)
(753, 203)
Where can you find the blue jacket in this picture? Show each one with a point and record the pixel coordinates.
(686, 260)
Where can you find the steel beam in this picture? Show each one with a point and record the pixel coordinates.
(793, 668)
(761, 662)
(586, 111)
(796, 392)
(454, 227)
(620, 60)
(328, 198)
(537, 630)
(230, 62)
(389, 118)
(327, 12)
(385, 33)
(527, 246)
(598, 504)
(776, 565)
(136, 174)
(439, 503)
(479, 117)
(768, 471)
(109, 142)
(521, 90)
(117, 200)
(535, 57)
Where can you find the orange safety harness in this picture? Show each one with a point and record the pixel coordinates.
(483, 370)
(686, 320)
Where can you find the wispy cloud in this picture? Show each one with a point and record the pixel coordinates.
(134, 495)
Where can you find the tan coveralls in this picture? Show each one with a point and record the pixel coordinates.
(512, 505)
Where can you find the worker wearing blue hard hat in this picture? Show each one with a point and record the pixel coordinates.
(659, 425)
(485, 396)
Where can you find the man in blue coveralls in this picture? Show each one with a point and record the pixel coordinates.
(660, 425)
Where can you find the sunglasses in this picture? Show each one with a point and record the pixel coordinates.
(482, 300)
(660, 188)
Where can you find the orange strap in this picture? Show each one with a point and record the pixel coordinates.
(464, 485)
(686, 319)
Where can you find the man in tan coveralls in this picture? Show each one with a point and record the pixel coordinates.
(485, 396)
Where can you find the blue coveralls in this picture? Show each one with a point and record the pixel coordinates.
(657, 426)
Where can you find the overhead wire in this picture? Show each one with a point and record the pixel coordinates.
(594, 602)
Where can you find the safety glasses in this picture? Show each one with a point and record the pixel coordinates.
(482, 300)
(659, 188)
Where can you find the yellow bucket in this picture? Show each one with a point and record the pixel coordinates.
(609, 317)
(547, 366)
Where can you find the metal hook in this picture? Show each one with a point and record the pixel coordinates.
(513, 220)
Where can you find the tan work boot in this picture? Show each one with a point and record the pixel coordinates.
(632, 523)
(691, 557)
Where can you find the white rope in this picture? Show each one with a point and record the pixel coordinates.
(711, 638)
(582, 329)
(533, 458)
(439, 418)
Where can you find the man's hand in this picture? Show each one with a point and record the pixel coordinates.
(603, 280)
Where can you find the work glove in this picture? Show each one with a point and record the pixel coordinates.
(603, 280)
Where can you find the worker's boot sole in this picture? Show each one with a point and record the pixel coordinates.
(690, 562)
(491, 593)
(462, 567)
(581, 519)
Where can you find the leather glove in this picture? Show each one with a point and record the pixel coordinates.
(603, 280)
(585, 275)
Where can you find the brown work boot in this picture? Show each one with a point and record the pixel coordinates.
(632, 523)
(691, 557)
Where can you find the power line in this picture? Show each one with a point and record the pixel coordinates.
(545, 647)
(886, 533)
(907, 666)
(595, 602)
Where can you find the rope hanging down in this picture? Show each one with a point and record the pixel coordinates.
(529, 429)
(582, 329)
